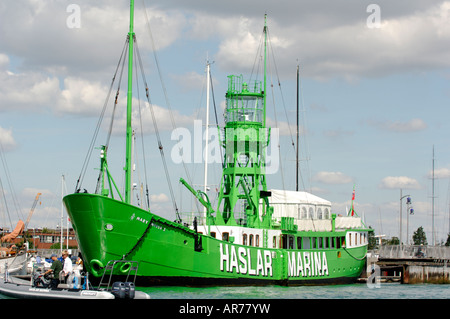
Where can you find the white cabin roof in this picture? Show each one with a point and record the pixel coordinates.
(293, 197)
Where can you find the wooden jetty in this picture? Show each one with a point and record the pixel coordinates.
(409, 265)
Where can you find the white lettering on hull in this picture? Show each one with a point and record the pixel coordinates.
(300, 263)
(307, 264)
(241, 262)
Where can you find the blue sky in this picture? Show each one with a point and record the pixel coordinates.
(375, 97)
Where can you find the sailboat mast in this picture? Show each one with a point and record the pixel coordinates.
(205, 186)
(433, 242)
(129, 137)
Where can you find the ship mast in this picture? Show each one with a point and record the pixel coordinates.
(129, 136)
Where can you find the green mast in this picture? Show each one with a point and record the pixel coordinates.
(129, 138)
(243, 192)
(265, 65)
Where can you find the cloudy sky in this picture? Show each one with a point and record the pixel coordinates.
(375, 80)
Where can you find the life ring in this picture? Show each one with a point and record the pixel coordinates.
(125, 268)
(96, 267)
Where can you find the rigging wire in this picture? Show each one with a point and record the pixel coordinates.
(111, 124)
(99, 122)
(142, 135)
(293, 144)
(215, 114)
(160, 146)
(155, 55)
(11, 187)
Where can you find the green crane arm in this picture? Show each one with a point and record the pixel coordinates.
(198, 194)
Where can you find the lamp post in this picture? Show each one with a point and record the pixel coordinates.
(408, 203)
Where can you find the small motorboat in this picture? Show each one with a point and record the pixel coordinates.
(76, 286)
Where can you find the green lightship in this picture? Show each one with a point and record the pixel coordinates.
(255, 235)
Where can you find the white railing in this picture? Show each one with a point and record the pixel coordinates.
(413, 251)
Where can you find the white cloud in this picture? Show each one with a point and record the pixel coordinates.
(332, 178)
(192, 81)
(163, 118)
(159, 198)
(6, 139)
(330, 44)
(440, 173)
(81, 96)
(4, 61)
(397, 182)
(338, 133)
(413, 125)
(36, 34)
(27, 91)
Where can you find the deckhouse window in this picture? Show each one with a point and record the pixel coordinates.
(304, 213)
(251, 240)
(306, 243)
(319, 213)
(257, 240)
(274, 243)
(226, 236)
(299, 243)
(311, 213)
(244, 239)
(291, 242)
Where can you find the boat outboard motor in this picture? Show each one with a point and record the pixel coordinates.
(118, 290)
(129, 290)
(39, 280)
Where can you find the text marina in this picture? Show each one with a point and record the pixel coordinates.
(236, 259)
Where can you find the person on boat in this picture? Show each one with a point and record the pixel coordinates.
(67, 268)
(79, 262)
(54, 270)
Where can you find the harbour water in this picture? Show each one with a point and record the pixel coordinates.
(354, 291)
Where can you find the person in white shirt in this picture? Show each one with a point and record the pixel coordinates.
(67, 266)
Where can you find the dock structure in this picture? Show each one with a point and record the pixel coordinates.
(409, 264)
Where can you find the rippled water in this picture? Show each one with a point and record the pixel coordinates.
(354, 291)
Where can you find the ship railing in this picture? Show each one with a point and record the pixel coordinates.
(236, 85)
(413, 252)
(323, 224)
(188, 218)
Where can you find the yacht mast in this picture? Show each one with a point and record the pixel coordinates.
(433, 241)
(205, 187)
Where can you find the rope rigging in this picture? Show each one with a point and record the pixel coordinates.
(118, 76)
(273, 64)
(160, 146)
(99, 122)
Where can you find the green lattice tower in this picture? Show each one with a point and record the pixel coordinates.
(243, 191)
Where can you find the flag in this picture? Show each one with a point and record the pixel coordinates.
(352, 211)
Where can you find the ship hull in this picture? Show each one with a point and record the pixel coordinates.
(169, 253)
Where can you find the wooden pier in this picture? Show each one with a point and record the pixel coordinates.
(409, 265)
(414, 271)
